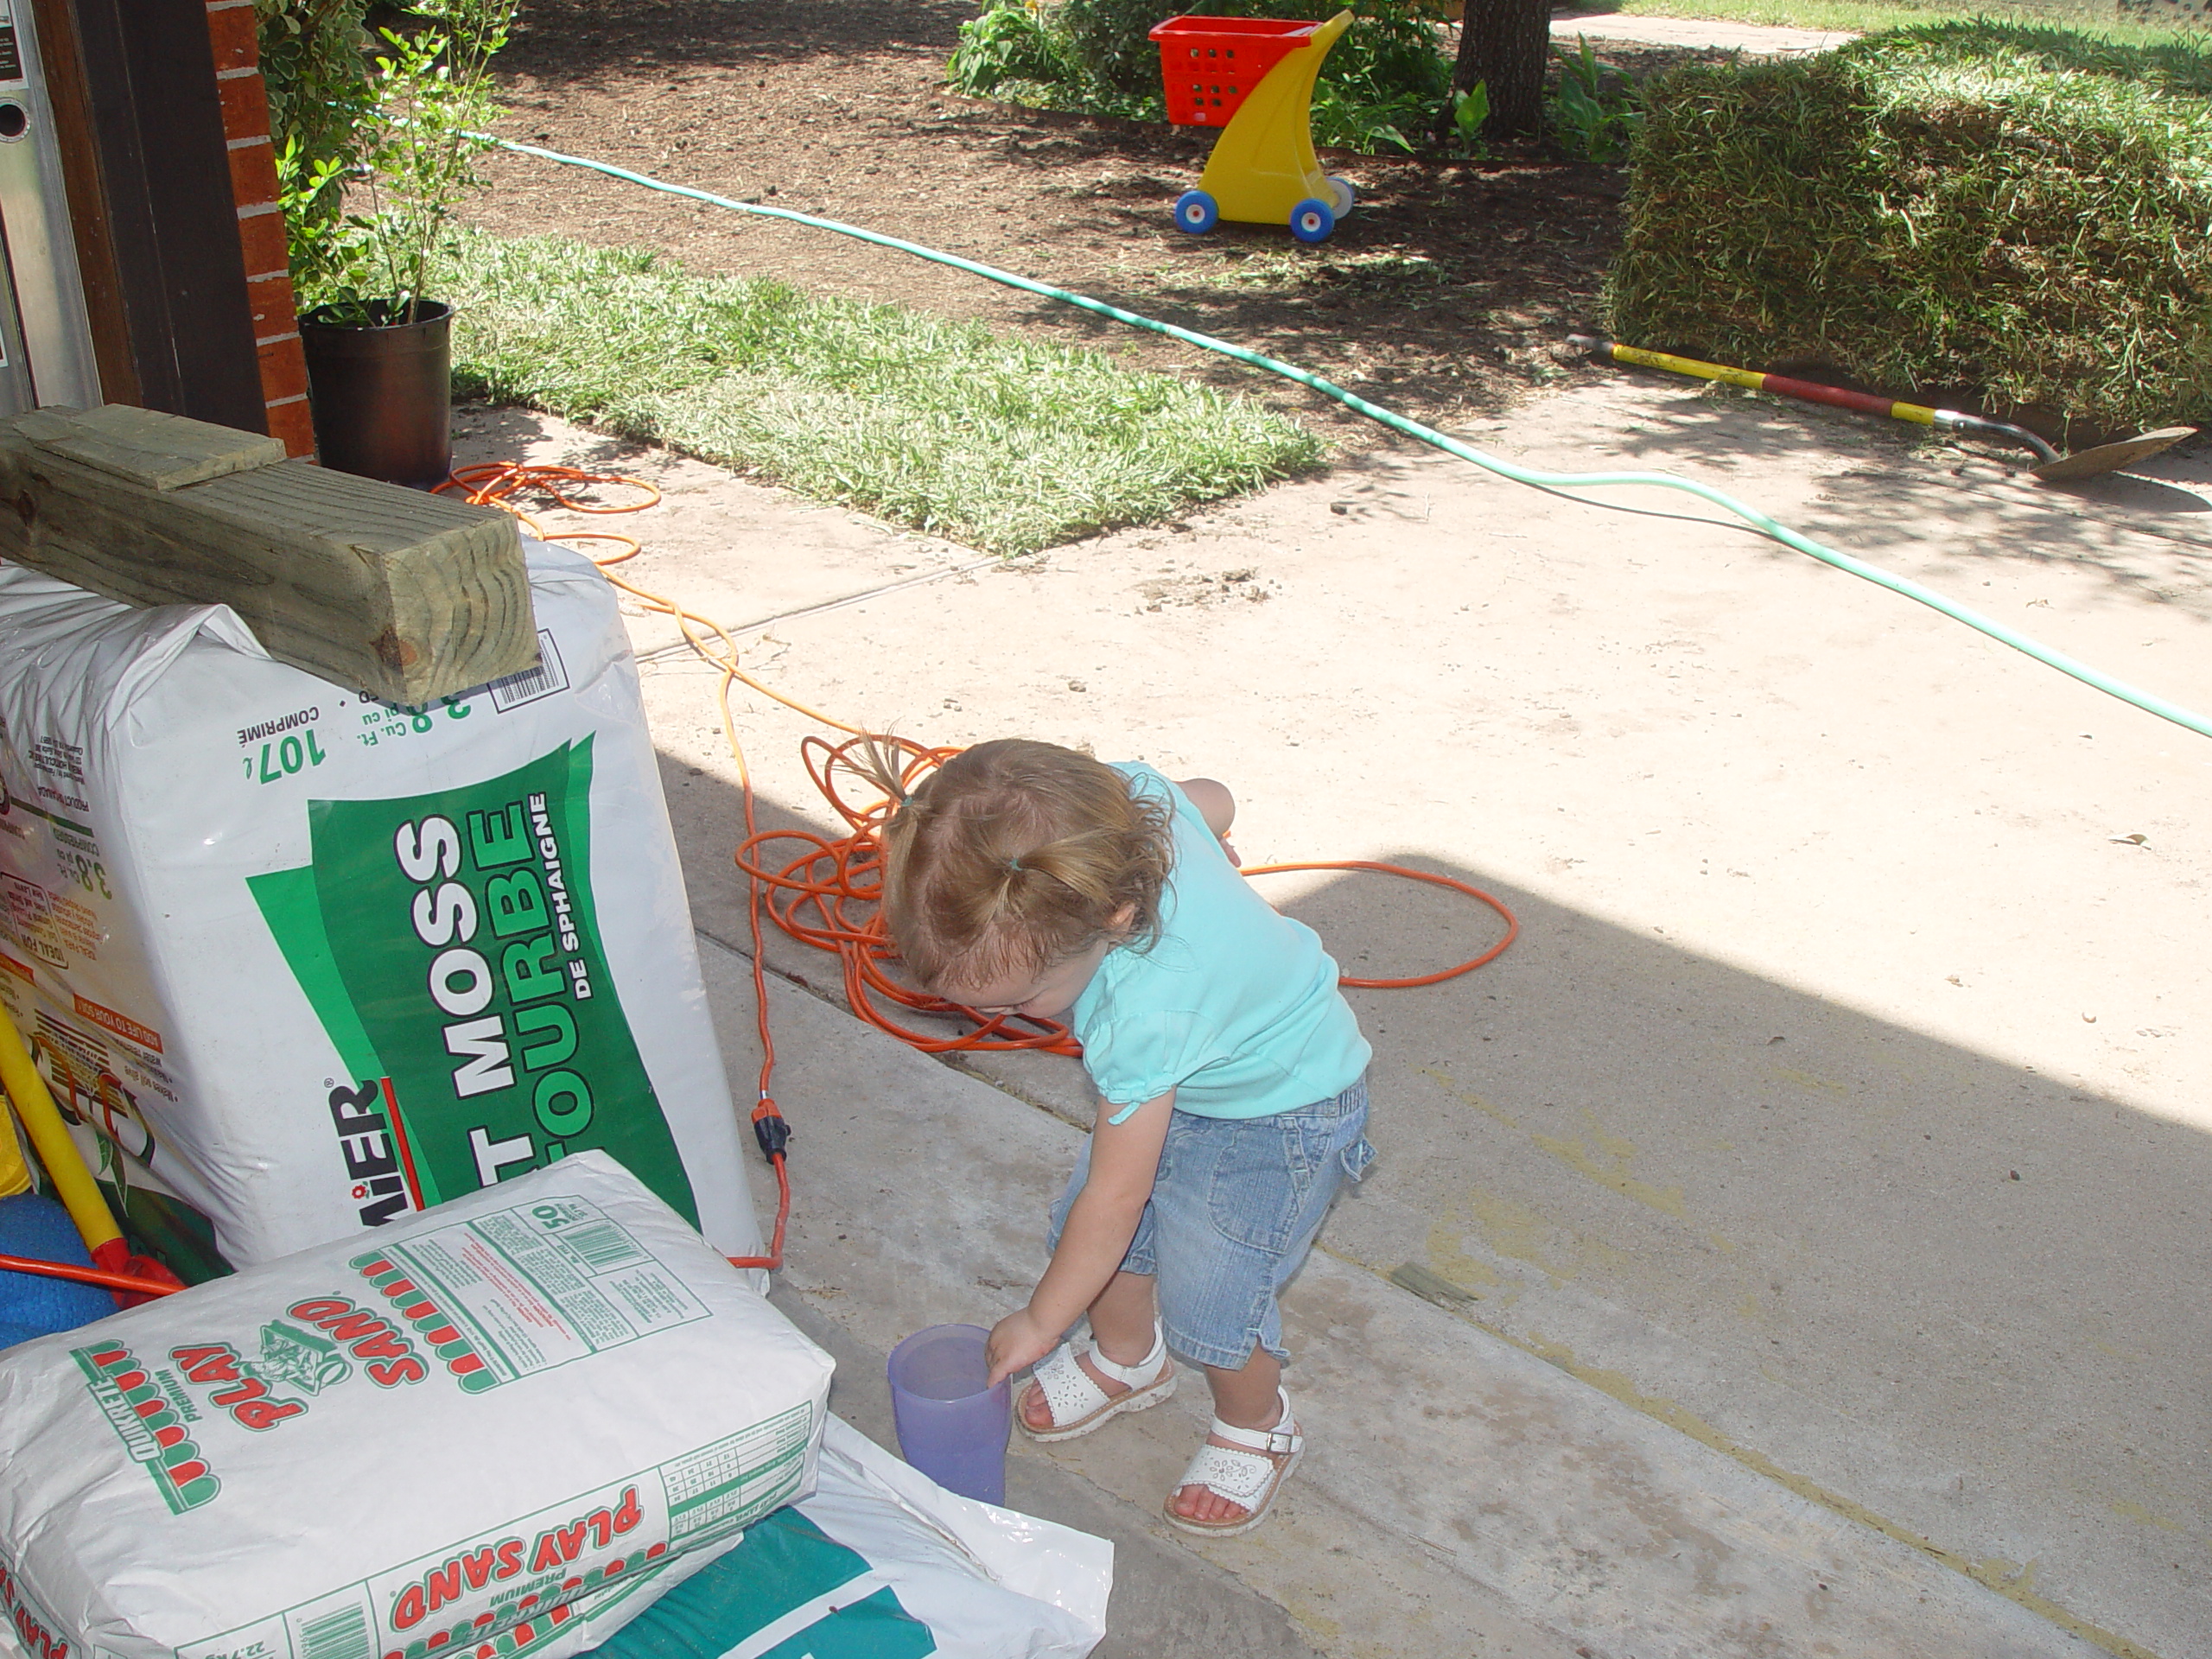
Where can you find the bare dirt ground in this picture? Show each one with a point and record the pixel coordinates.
(1445, 293)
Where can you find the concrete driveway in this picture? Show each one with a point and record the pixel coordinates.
(1796, 1243)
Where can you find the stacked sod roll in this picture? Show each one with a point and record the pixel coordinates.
(1996, 209)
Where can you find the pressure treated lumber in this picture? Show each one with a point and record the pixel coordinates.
(162, 451)
(407, 596)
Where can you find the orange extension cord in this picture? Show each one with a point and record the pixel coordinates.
(827, 896)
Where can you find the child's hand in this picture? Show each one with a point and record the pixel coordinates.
(1016, 1340)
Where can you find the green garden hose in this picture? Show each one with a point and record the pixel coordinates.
(1751, 515)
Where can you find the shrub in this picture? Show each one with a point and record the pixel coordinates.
(1011, 52)
(2016, 209)
(315, 63)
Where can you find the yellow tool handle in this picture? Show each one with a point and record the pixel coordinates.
(14, 1174)
(1866, 403)
(1688, 365)
(50, 1140)
(1782, 385)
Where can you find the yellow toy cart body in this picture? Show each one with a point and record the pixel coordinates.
(1253, 77)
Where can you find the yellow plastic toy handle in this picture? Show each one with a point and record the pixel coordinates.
(50, 1140)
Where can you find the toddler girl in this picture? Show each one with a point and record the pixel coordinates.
(1023, 878)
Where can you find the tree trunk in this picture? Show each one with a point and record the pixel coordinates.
(1504, 44)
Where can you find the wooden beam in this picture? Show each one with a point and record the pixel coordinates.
(162, 451)
(408, 596)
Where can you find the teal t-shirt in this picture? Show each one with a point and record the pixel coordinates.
(1235, 1007)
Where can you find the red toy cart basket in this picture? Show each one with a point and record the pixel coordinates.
(1207, 64)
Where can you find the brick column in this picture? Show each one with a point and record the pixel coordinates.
(261, 223)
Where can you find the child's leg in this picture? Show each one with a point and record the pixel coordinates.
(1250, 1398)
(1123, 1318)
(1231, 1234)
(1121, 1323)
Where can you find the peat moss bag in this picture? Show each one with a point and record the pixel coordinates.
(501, 1428)
(297, 963)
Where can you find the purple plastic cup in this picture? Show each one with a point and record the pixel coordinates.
(951, 1426)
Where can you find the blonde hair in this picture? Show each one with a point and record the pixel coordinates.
(1015, 855)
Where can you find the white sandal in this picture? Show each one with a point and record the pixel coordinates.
(1250, 1473)
(1079, 1405)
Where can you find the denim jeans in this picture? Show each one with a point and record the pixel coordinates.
(1234, 1209)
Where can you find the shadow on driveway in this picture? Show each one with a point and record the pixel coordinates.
(1949, 1294)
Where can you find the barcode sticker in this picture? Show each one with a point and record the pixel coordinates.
(603, 1244)
(339, 1632)
(529, 684)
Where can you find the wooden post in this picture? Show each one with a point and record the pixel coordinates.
(408, 596)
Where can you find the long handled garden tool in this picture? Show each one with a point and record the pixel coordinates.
(134, 1277)
(2051, 465)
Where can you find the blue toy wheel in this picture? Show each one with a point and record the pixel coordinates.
(1340, 187)
(1196, 212)
(1312, 220)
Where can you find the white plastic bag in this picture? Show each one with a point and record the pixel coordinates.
(499, 1429)
(303, 962)
(883, 1563)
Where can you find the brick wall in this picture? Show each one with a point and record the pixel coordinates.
(261, 223)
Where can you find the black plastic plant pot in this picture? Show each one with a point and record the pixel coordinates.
(382, 392)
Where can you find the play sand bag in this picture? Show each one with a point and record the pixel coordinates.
(498, 1429)
(299, 963)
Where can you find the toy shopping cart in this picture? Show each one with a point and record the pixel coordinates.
(1253, 77)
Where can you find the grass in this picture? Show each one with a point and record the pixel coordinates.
(1277, 270)
(1866, 16)
(1001, 445)
(2015, 211)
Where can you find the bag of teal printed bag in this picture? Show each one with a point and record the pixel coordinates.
(883, 1563)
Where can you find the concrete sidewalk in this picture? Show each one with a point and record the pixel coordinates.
(1809, 1207)
(1760, 39)
(1459, 1496)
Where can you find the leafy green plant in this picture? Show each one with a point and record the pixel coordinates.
(1010, 41)
(315, 64)
(1110, 40)
(405, 164)
(1595, 115)
(1470, 109)
(1385, 78)
(326, 253)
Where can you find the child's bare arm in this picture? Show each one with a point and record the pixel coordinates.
(1124, 1159)
(1215, 804)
